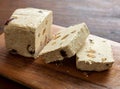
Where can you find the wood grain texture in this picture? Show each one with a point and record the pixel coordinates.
(59, 75)
(101, 16)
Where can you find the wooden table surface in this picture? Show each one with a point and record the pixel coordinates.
(101, 16)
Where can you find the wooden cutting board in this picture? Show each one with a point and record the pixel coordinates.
(58, 75)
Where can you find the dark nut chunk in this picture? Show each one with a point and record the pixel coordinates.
(13, 51)
(108, 65)
(91, 41)
(63, 53)
(30, 50)
(7, 22)
(40, 11)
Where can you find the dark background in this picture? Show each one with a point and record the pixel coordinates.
(101, 16)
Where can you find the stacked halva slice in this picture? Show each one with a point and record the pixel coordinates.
(28, 33)
(66, 43)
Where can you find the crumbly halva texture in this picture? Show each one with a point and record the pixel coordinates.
(95, 55)
(27, 31)
(65, 43)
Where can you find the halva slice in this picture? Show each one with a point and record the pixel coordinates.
(65, 44)
(95, 55)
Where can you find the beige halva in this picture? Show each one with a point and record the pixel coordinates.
(66, 43)
(28, 33)
(95, 55)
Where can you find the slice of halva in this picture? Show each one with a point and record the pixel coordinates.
(27, 31)
(95, 55)
(65, 44)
